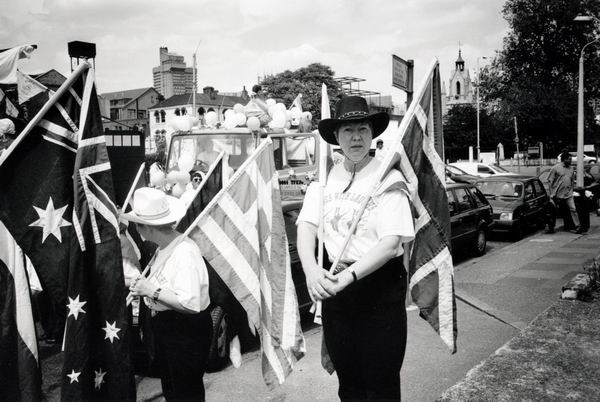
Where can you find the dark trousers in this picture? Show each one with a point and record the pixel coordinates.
(366, 339)
(182, 342)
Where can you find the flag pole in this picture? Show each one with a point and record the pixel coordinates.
(53, 99)
(133, 186)
(390, 159)
(323, 153)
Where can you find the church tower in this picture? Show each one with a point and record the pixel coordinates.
(460, 87)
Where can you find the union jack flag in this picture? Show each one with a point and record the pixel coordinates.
(57, 200)
(417, 153)
(241, 233)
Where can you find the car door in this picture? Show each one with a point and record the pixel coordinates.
(541, 199)
(531, 206)
(466, 218)
(455, 223)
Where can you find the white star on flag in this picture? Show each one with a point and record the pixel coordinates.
(75, 307)
(111, 331)
(51, 220)
(99, 378)
(74, 376)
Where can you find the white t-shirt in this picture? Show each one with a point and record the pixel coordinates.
(180, 268)
(387, 213)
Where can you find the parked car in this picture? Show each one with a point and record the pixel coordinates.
(587, 159)
(458, 175)
(481, 169)
(518, 201)
(470, 218)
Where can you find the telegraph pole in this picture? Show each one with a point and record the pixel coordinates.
(517, 142)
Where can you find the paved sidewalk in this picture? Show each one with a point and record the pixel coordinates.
(557, 356)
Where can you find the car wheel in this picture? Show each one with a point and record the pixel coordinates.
(218, 354)
(480, 241)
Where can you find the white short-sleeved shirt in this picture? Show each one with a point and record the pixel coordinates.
(388, 212)
(180, 268)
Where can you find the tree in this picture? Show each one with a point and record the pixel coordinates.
(307, 81)
(534, 77)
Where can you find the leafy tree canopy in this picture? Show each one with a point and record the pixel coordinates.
(535, 76)
(307, 81)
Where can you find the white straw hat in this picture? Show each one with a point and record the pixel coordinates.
(154, 207)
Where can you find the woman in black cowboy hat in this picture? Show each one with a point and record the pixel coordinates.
(363, 311)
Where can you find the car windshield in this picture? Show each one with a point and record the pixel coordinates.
(500, 188)
(204, 149)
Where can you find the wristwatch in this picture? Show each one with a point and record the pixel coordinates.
(351, 270)
(156, 293)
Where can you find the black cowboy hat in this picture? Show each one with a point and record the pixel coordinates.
(352, 109)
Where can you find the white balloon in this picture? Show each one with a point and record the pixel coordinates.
(281, 106)
(238, 108)
(278, 119)
(271, 102)
(253, 123)
(288, 124)
(185, 162)
(157, 178)
(178, 189)
(229, 113)
(172, 176)
(230, 121)
(240, 119)
(272, 109)
(307, 115)
(211, 118)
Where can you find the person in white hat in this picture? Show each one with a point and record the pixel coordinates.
(177, 293)
(363, 310)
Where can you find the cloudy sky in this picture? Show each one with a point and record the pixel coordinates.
(239, 40)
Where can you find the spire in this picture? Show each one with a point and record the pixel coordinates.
(460, 63)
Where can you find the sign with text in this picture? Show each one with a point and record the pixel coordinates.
(402, 73)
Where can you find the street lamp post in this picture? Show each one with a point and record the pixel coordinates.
(579, 183)
(478, 84)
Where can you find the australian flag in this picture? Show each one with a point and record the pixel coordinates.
(57, 200)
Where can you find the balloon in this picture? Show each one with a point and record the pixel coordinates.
(281, 106)
(195, 121)
(172, 177)
(157, 178)
(211, 118)
(253, 123)
(240, 119)
(271, 102)
(182, 123)
(178, 189)
(272, 110)
(230, 120)
(278, 119)
(238, 108)
(185, 162)
(229, 113)
(307, 115)
(288, 115)
(288, 124)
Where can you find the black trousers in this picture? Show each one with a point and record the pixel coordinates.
(365, 334)
(182, 342)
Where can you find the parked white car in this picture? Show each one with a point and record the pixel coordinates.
(481, 169)
(586, 158)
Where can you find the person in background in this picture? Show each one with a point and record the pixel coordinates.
(379, 151)
(177, 294)
(363, 310)
(561, 180)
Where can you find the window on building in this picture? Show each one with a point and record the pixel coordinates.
(457, 88)
(177, 112)
(157, 116)
(162, 116)
(201, 111)
(183, 111)
(210, 109)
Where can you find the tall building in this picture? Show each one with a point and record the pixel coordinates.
(172, 76)
(460, 87)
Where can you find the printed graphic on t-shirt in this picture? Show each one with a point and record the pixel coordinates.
(340, 210)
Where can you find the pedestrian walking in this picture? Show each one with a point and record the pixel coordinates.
(363, 299)
(561, 180)
(177, 294)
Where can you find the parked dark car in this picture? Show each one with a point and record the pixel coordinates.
(470, 217)
(519, 202)
(459, 176)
